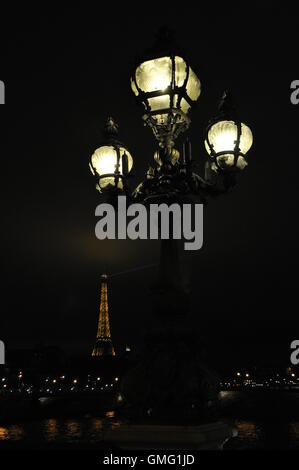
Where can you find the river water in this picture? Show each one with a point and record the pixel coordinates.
(264, 420)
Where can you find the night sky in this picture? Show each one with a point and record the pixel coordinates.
(65, 72)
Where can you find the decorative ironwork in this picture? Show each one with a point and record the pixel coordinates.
(172, 179)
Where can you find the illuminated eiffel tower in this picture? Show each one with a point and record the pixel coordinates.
(103, 345)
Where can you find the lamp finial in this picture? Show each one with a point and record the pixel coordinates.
(226, 106)
(111, 128)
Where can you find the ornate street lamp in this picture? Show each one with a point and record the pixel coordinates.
(167, 87)
(227, 139)
(111, 162)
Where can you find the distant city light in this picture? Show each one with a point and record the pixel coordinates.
(239, 380)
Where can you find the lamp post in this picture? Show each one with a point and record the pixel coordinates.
(168, 88)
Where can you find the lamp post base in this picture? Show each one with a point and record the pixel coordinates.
(170, 383)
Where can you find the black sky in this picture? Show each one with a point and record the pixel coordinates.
(65, 71)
